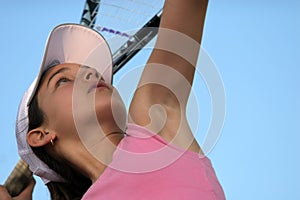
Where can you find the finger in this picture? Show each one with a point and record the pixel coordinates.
(4, 195)
(26, 194)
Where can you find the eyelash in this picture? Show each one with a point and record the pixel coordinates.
(62, 79)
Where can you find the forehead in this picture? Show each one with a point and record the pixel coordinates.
(54, 69)
(42, 85)
(49, 72)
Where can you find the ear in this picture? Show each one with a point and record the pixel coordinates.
(39, 137)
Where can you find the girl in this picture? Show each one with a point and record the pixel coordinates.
(73, 130)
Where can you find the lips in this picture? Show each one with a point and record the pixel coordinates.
(99, 85)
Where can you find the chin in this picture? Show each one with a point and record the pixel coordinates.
(119, 113)
(112, 112)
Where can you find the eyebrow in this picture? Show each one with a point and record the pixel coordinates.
(57, 72)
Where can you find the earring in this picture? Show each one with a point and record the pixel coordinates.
(52, 143)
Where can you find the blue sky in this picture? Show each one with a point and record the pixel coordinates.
(255, 46)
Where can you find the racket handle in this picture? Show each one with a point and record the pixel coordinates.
(18, 179)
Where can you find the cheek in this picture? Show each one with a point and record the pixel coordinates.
(59, 111)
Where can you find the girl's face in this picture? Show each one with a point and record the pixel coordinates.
(77, 102)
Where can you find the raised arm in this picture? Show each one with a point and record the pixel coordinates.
(161, 97)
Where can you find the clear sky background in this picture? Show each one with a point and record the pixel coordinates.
(255, 46)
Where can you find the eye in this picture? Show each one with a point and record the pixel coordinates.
(61, 81)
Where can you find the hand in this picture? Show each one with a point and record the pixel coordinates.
(26, 194)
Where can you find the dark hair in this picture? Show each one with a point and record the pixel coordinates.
(76, 184)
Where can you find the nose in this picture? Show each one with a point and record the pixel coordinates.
(90, 74)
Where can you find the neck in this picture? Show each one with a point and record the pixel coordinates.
(91, 160)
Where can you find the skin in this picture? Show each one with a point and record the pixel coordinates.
(161, 107)
(183, 22)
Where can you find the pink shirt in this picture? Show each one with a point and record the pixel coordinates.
(145, 166)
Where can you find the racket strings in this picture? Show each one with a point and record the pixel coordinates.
(124, 15)
(118, 20)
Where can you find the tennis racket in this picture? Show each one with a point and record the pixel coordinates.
(126, 26)
(127, 40)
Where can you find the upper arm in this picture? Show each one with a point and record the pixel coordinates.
(159, 102)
